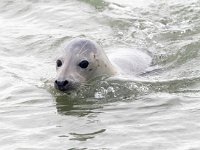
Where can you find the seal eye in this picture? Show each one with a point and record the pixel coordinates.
(84, 64)
(59, 63)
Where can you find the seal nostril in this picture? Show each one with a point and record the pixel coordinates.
(65, 82)
(61, 83)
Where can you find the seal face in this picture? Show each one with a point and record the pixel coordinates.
(82, 60)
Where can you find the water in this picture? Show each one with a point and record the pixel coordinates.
(159, 110)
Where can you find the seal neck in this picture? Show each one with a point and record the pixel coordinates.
(108, 68)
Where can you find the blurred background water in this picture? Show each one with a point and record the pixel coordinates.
(160, 110)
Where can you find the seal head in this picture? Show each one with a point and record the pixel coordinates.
(82, 60)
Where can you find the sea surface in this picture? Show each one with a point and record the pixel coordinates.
(160, 110)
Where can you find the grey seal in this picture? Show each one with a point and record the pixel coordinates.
(84, 59)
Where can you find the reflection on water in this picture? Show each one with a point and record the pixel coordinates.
(84, 137)
(79, 107)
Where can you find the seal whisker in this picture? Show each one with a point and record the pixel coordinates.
(83, 51)
(82, 48)
(86, 84)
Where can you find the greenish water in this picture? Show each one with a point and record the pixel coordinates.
(159, 110)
